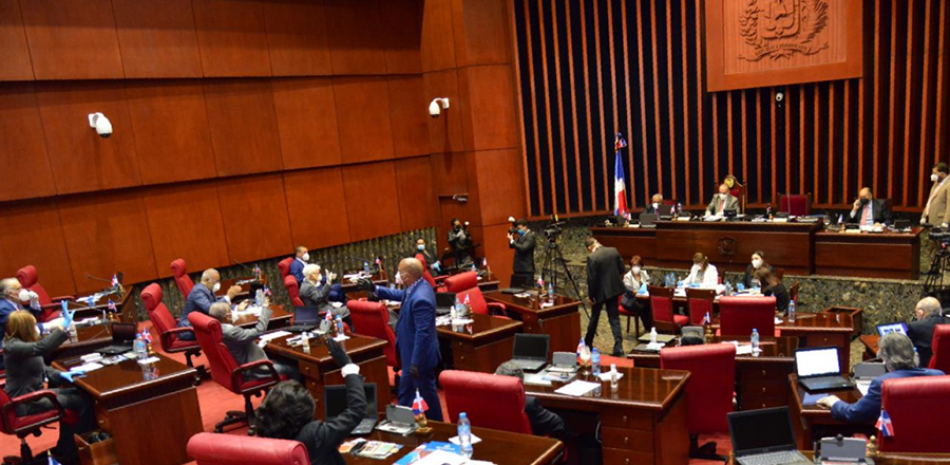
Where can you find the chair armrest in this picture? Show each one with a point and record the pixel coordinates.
(167, 335)
(54, 305)
(439, 279)
(497, 308)
(29, 399)
(237, 376)
(65, 297)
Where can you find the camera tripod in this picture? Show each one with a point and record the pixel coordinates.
(939, 265)
(552, 257)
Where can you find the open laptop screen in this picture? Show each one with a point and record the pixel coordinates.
(306, 315)
(822, 361)
(123, 332)
(758, 431)
(884, 330)
(532, 346)
(336, 401)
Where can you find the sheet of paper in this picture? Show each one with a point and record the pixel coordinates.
(462, 321)
(577, 388)
(276, 334)
(341, 338)
(87, 367)
(149, 361)
(863, 385)
(441, 458)
(605, 376)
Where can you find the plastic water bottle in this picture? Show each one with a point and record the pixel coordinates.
(305, 340)
(550, 291)
(465, 435)
(339, 326)
(791, 310)
(728, 288)
(459, 308)
(366, 267)
(141, 351)
(468, 305)
(595, 362)
(755, 341)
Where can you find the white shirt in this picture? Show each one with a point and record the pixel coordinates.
(708, 279)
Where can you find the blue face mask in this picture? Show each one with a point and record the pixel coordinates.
(421, 247)
(522, 231)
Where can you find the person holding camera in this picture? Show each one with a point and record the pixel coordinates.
(460, 241)
(523, 241)
(869, 211)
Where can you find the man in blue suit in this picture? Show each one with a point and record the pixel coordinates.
(416, 338)
(300, 260)
(897, 352)
(201, 298)
(12, 297)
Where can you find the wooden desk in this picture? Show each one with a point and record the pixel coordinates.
(889, 458)
(319, 369)
(643, 422)
(244, 283)
(812, 421)
(872, 255)
(279, 318)
(497, 446)
(88, 340)
(561, 321)
(379, 279)
(123, 303)
(870, 342)
(761, 381)
(150, 419)
(481, 345)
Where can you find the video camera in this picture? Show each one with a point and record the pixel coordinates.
(553, 230)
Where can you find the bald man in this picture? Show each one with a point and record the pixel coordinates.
(416, 338)
(202, 297)
(921, 332)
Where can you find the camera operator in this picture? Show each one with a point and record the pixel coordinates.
(523, 241)
(460, 241)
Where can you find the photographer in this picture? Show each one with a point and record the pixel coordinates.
(523, 241)
(460, 241)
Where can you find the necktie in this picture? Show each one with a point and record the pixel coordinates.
(722, 206)
(864, 214)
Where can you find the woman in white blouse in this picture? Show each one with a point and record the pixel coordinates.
(702, 273)
(633, 280)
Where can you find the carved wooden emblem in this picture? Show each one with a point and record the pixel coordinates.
(727, 246)
(781, 28)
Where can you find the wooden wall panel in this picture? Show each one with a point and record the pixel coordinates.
(107, 233)
(371, 185)
(482, 33)
(81, 160)
(243, 123)
(362, 106)
(408, 108)
(317, 207)
(356, 37)
(232, 37)
(26, 169)
(451, 171)
(184, 221)
(499, 188)
(488, 116)
(418, 207)
(157, 38)
(172, 136)
(438, 44)
(14, 51)
(306, 117)
(72, 39)
(255, 217)
(402, 35)
(297, 37)
(32, 235)
(445, 132)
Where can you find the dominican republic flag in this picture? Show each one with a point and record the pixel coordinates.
(541, 282)
(620, 183)
(706, 319)
(379, 262)
(419, 404)
(147, 336)
(111, 306)
(485, 262)
(580, 346)
(267, 291)
(115, 281)
(884, 425)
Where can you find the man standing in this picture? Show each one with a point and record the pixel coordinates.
(202, 297)
(921, 332)
(604, 286)
(868, 211)
(523, 241)
(722, 202)
(937, 210)
(460, 241)
(416, 338)
(301, 259)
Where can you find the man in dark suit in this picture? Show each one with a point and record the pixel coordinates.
(315, 292)
(523, 241)
(201, 298)
(242, 343)
(921, 332)
(12, 298)
(460, 241)
(897, 352)
(543, 421)
(604, 285)
(301, 259)
(654, 206)
(868, 211)
(416, 338)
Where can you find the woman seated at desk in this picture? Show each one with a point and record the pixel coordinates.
(750, 280)
(772, 285)
(636, 278)
(702, 273)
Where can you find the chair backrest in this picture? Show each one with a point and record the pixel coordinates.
(798, 205)
(372, 319)
(182, 280)
(461, 282)
(29, 278)
(425, 270)
(489, 401)
(231, 449)
(293, 291)
(661, 303)
(739, 315)
(918, 408)
(699, 302)
(8, 420)
(941, 348)
(158, 313)
(208, 333)
(711, 383)
(284, 267)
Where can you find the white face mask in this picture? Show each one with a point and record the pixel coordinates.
(756, 263)
(25, 295)
(934, 177)
(399, 278)
(635, 270)
(656, 206)
(724, 196)
(216, 287)
(306, 257)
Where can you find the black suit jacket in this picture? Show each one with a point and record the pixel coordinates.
(323, 438)
(879, 210)
(524, 253)
(604, 274)
(543, 421)
(921, 333)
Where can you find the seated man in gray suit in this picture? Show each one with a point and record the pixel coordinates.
(315, 292)
(242, 343)
(722, 202)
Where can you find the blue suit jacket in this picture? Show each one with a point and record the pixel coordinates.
(6, 308)
(867, 409)
(416, 338)
(199, 300)
(296, 269)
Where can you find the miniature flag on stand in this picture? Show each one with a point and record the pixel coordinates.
(115, 281)
(706, 319)
(111, 306)
(485, 262)
(147, 336)
(620, 183)
(419, 404)
(541, 282)
(884, 425)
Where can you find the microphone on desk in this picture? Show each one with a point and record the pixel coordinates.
(112, 286)
(235, 262)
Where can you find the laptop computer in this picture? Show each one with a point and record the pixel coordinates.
(818, 369)
(563, 362)
(647, 220)
(764, 437)
(335, 397)
(531, 351)
(305, 319)
(888, 328)
(123, 335)
(444, 301)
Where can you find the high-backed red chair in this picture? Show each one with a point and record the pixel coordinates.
(629, 314)
(226, 371)
(284, 267)
(29, 278)
(918, 408)
(661, 304)
(940, 344)
(293, 291)
(709, 389)
(489, 401)
(739, 315)
(182, 280)
(165, 325)
(228, 449)
(425, 270)
(798, 205)
(466, 285)
(699, 302)
(30, 425)
(372, 319)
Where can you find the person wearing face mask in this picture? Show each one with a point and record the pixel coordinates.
(702, 272)
(897, 352)
(633, 281)
(937, 209)
(722, 202)
(772, 286)
(12, 298)
(460, 242)
(427, 257)
(868, 211)
(654, 206)
(315, 292)
(201, 298)
(523, 241)
(301, 259)
(928, 315)
(758, 262)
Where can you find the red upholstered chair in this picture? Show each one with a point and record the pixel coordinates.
(166, 326)
(918, 408)
(28, 425)
(425, 270)
(182, 280)
(466, 285)
(798, 205)
(489, 401)
(627, 313)
(708, 391)
(29, 278)
(661, 304)
(699, 302)
(372, 319)
(293, 291)
(227, 449)
(941, 349)
(284, 267)
(739, 315)
(226, 372)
